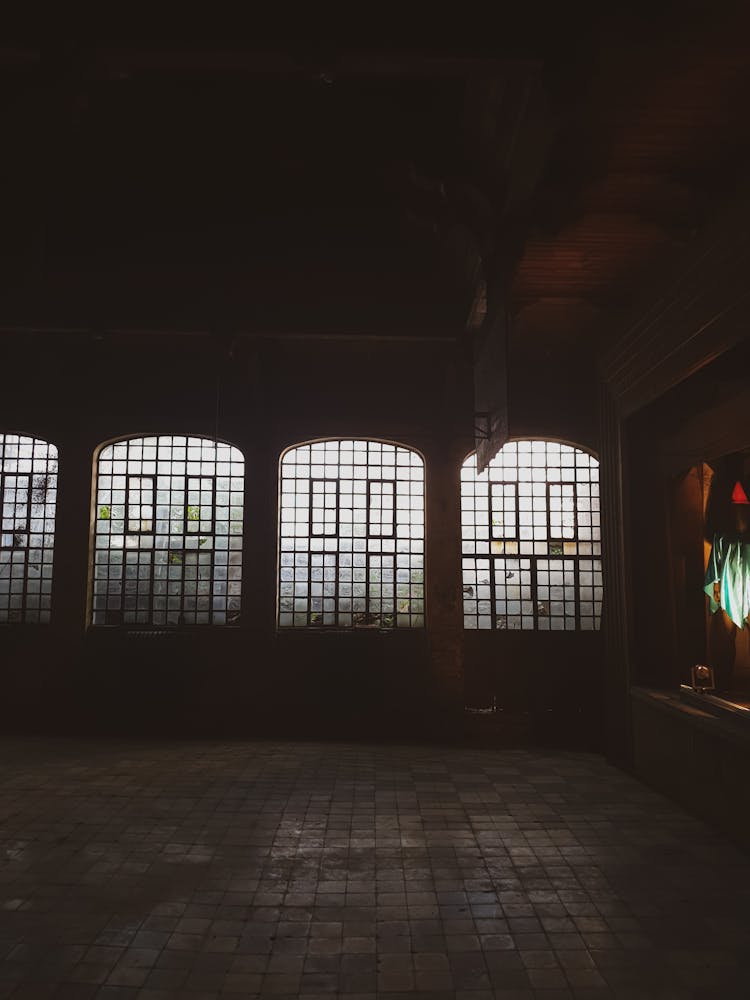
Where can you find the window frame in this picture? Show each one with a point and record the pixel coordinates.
(354, 628)
(169, 626)
(43, 613)
(501, 549)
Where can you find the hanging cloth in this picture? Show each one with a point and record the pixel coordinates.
(729, 566)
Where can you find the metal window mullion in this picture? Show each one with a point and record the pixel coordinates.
(367, 577)
(310, 577)
(548, 501)
(123, 585)
(493, 593)
(126, 519)
(336, 587)
(351, 482)
(324, 533)
(210, 583)
(553, 536)
(152, 480)
(185, 506)
(561, 537)
(295, 566)
(184, 536)
(577, 588)
(24, 579)
(212, 532)
(123, 581)
(26, 523)
(152, 577)
(392, 483)
(160, 464)
(212, 535)
(183, 560)
(491, 509)
(200, 478)
(181, 580)
(392, 562)
(491, 538)
(534, 591)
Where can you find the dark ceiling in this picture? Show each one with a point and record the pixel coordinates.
(367, 185)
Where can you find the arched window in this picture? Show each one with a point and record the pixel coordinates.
(351, 546)
(531, 541)
(28, 497)
(168, 538)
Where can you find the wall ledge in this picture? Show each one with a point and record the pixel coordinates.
(726, 725)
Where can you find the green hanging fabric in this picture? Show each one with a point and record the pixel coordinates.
(729, 566)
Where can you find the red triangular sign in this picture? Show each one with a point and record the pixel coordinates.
(738, 494)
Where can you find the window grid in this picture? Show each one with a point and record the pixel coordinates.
(28, 500)
(168, 537)
(370, 572)
(504, 507)
(381, 508)
(562, 511)
(531, 539)
(324, 506)
(140, 502)
(200, 504)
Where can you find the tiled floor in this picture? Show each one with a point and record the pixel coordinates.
(237, 869)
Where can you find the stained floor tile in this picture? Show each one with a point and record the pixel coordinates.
(208, 870)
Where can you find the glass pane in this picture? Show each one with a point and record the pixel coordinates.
(28, 500)
(539, 501)
(346, 508)
(170, 503)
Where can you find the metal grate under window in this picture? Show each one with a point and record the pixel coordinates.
(351, 547)
(168, 542)
(28, 498)
(531, 539)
